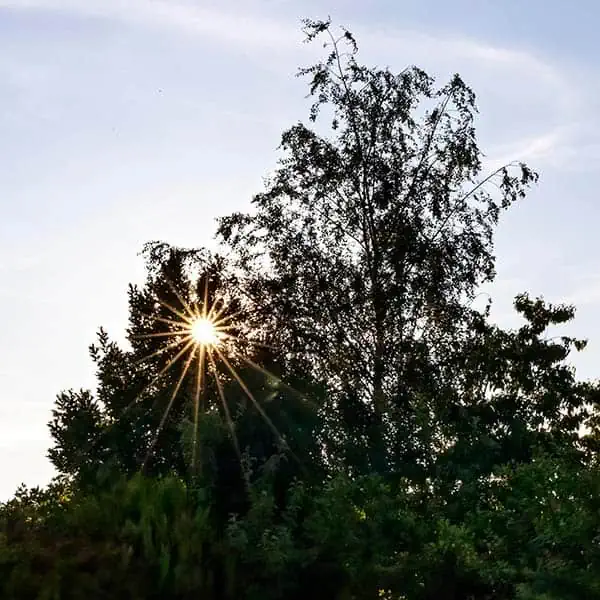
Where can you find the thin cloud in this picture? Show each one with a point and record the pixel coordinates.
(259, 30)
(538, 149)
(460, 49)
(540, 130)
(539, 82)
(528, 102)
(229, 27)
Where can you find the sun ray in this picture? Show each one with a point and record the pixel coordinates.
(168, 321)
(277, 378)
(253, 400)
(203, 314)
(228, 418)
(213, 313)
(168, 409)
(137, 397)
(185, 318)
(205, 303)
(199, 388)
(147, 336)
(205, 333)
(171, 362)
(164, 349)
(223, 329)
(216, 315)
(228, 317)
(181, 299)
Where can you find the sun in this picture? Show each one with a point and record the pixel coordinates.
(204, 332)
(201, 333)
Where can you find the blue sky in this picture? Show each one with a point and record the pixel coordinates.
(127, 121)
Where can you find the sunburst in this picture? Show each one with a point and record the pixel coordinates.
(204, 331)
(201, 335)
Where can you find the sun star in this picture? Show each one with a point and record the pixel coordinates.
(204, 332)
(200, 335)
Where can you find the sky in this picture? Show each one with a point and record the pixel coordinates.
(128, 121)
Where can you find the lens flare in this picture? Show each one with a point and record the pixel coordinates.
(205, 332)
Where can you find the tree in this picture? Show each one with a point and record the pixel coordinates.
(517, 396)
(376, 235)
(149, 411)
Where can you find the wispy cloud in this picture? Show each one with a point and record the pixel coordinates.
(226, 26)
(452, 49)
(529, 102)
(237, 25)
(544, 92)
(538, 149)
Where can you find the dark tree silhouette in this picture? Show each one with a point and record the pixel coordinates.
(377, 234)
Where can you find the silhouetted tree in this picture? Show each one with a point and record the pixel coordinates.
(147, 415)
(375, 235)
